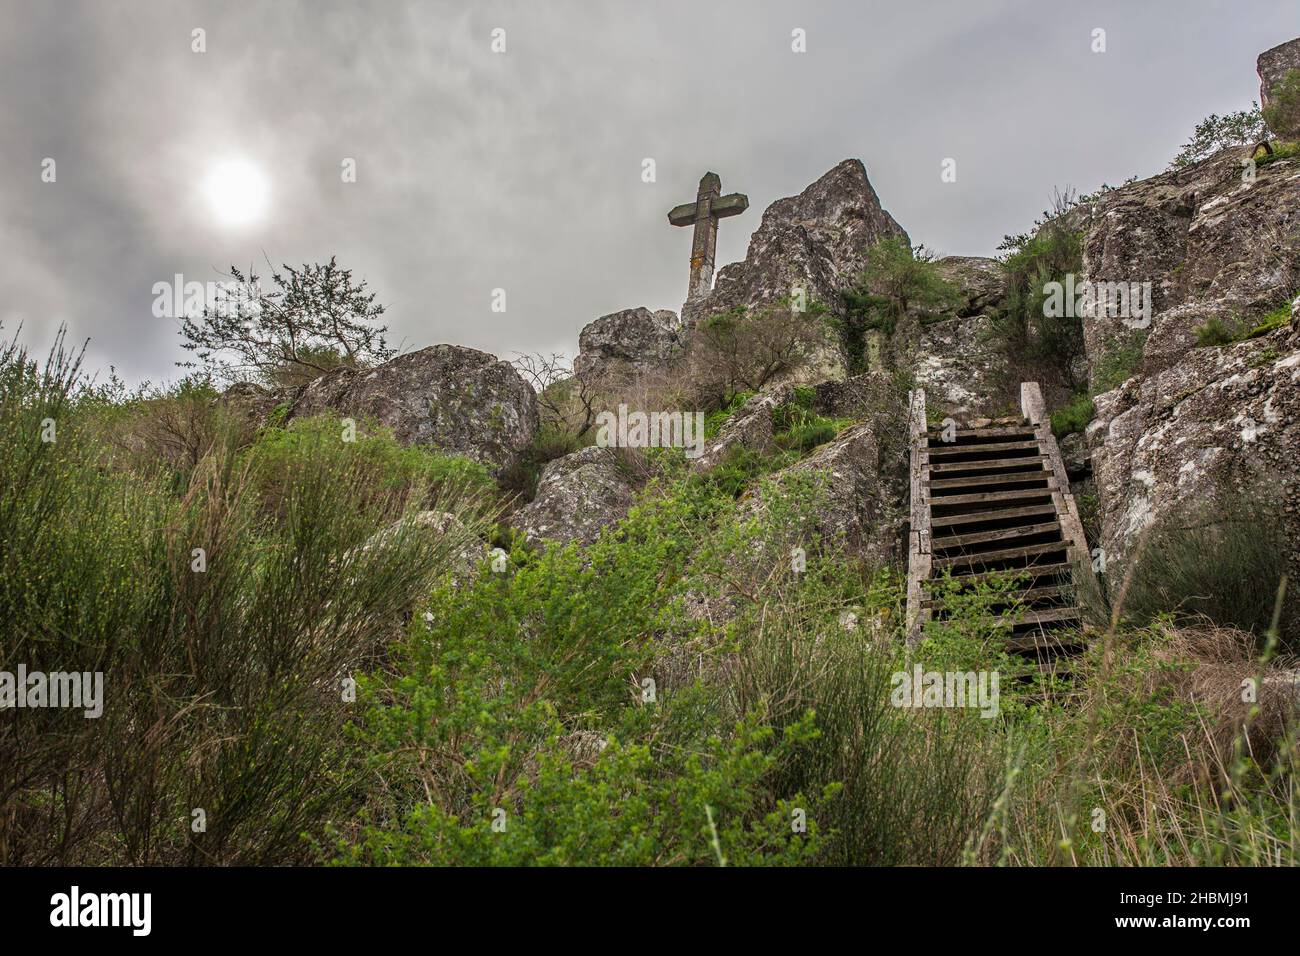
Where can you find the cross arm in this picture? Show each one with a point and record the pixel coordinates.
(683, 215)
(732, 205)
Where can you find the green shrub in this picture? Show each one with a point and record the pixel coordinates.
(1074, 417)
(1220, 559)
(1283, 112)
(386, 468)
(1214, 331)
(222, 666)
(1216, 132)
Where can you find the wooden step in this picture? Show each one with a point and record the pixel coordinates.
(979, 481)
(976, 517)
(949, 467)
(994, 431)
(1039, 641)
(1033, 571)
(1000, 534)
(1025, 597)
(946, 449)
(992, 496)
(1007, 554)
(1053, 615)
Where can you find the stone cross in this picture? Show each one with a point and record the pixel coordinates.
(703, 214)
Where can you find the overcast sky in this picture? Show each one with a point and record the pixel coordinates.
(522, 170)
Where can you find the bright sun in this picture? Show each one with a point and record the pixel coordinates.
(237, 192)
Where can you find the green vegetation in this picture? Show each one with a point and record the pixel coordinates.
(1216, 331)
(897, 279)
(1215, 132)
(1118, 362)
(1220, 560)
(1074, 417)
(1036, 345)
(1283, 112)
(683, 691)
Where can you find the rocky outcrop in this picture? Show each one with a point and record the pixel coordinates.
(853, 503)
(982, 282)
(750, 426)
(625, 345)
(456, 399)
(956, 363)
(576, 496)
(1211, 242)
(1272, 66)
(250, 401)
(816, 241)
(1218, 418)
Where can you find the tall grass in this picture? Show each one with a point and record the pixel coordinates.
(224, 631)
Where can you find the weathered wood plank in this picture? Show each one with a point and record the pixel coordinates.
(981, 481)
(999, 534)
(1006, 554)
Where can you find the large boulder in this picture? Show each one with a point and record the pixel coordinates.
(1224, 417)
(1212, 243)
(816, 241)
(855, 507)
(625, 345)
(576, 496)
(1272, 66)
(981, 281)
(456, 399)
(956, 362)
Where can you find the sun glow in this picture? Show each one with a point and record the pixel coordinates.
(237, 192)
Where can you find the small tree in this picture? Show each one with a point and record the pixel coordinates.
(315, 318)
(743, 350)
(567, 400)
(1216, 132)
(896, 278)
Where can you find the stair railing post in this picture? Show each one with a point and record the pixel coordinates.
(919, 553)
(1035, 412)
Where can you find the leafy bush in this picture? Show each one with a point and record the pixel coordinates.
(387, 470)
(1216, 331)
(222, 667)
(1216, 132)
(1036, 344)
(1074, 417)
(743, 350)
(896, 279)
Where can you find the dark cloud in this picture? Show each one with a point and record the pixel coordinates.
(522, 171)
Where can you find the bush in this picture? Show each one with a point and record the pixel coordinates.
(1074, 417)
(1036, 344)
(896, 279)
(1215, 132)
(1220, 560)
(222, 667)
(743, 350)
(386, 470)
(1283, 112)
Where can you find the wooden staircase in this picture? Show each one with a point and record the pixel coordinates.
(994, 500)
